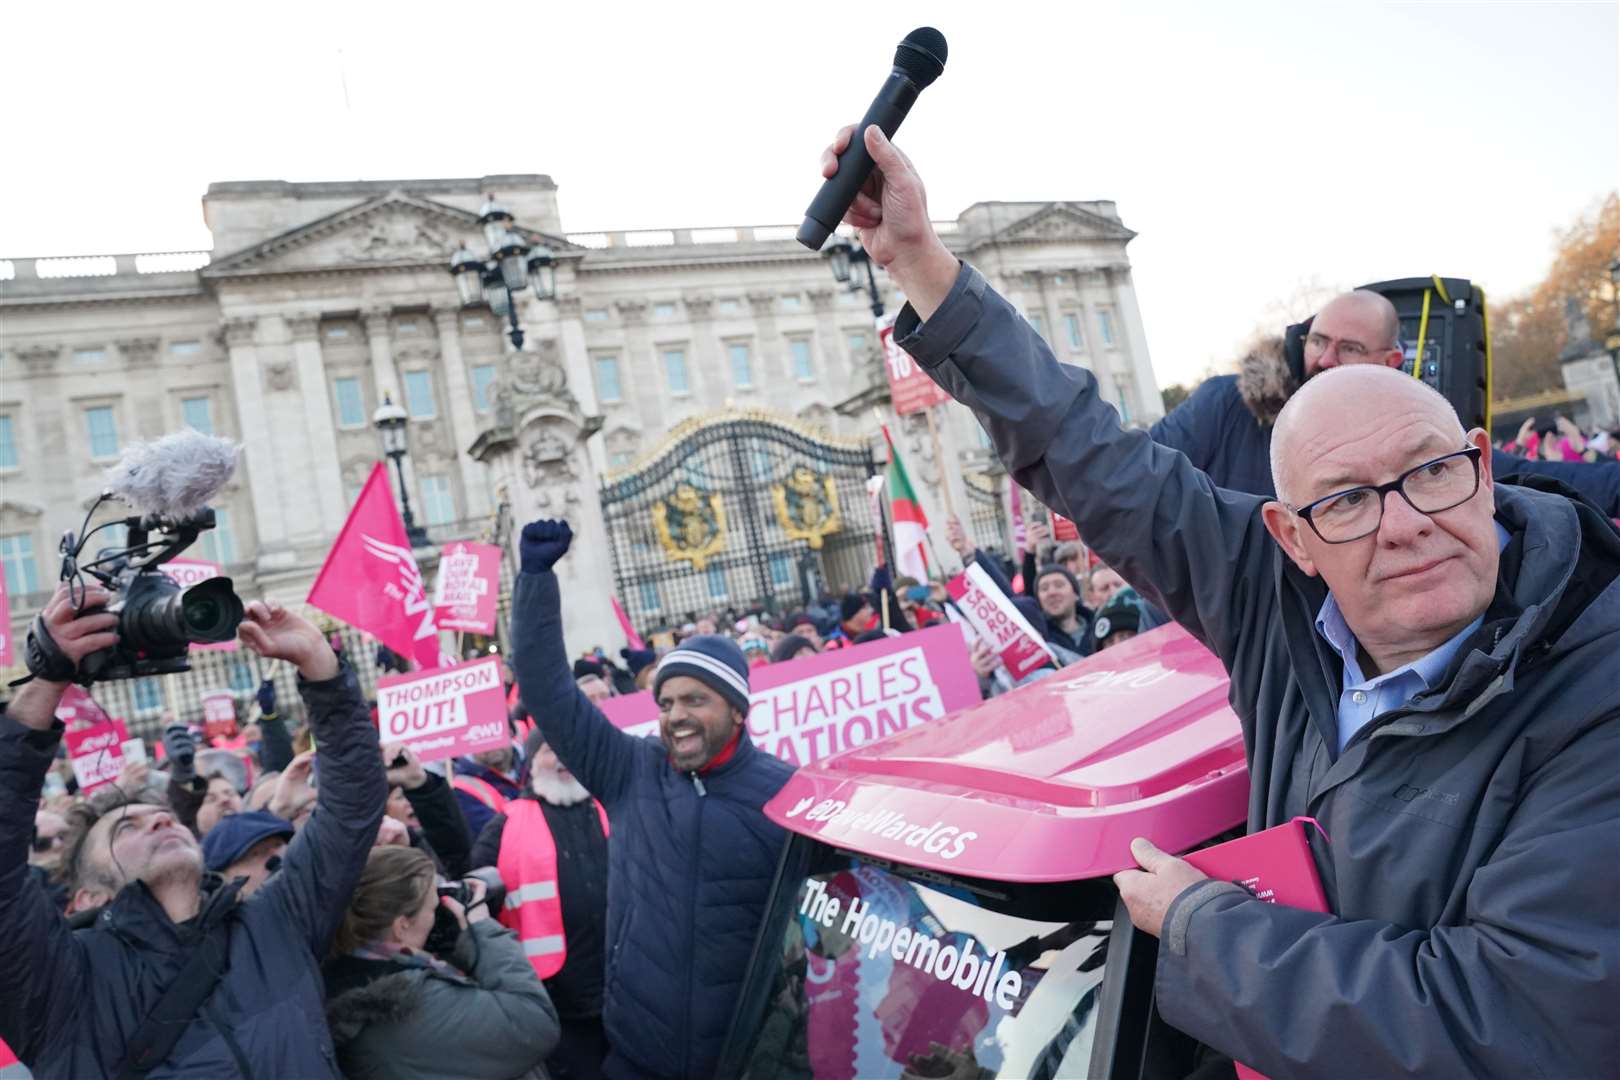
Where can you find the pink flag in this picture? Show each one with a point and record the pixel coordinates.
(630, 634)
(371, 580)
(7, 654)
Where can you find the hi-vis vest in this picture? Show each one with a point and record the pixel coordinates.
(528, 866)
(482, 790)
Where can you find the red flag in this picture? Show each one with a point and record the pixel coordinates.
(371, 579)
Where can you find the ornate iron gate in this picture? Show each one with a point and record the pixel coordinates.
(739, 510)
(987, 517)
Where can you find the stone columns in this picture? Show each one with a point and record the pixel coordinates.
(317, 417)
(711, 372)
(385, 379)
(576, 359)
(463, 421)
(1128, 326)
(775, 369)
(269, 518)
(140, 357)
(834, 363)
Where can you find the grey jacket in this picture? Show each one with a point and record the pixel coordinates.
(1474, 865)
(496, 1023)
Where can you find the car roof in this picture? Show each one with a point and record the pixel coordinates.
(1049, 782)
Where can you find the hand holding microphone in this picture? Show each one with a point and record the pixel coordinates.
(871, 185)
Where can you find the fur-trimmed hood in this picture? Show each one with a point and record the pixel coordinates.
(1264, 381)
(388, 999)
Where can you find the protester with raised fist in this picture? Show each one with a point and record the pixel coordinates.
(1421, 658)
(692, 855)
(178, 975)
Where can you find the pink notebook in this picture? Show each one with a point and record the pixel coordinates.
(1276, 865)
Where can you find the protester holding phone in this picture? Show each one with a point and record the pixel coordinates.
(425, 983)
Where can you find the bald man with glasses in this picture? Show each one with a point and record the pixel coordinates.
(1422, 658)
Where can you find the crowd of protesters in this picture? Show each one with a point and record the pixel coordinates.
(578, 902)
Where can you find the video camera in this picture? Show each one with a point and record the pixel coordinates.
(158, 621)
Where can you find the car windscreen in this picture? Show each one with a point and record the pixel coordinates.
(873, 970)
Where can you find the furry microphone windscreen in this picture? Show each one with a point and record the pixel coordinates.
(173, 477)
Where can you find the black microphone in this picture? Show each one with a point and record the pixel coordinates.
(918, 61)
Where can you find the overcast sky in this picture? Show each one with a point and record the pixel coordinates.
(1256, 148)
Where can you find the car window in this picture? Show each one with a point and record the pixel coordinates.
(880, 974)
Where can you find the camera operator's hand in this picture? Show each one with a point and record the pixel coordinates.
(267, 697)
(277, 634)
(543, 543)
(76, 636)
(410, 775)
(891, 212)
(476, 910)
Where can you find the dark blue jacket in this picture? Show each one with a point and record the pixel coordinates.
(1221, 435)
(690, 861)
(71, 999)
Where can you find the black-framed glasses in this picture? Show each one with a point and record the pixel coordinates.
(1429, 488)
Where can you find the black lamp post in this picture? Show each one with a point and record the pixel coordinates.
(390, 421)
(511, 266)
(846, 260)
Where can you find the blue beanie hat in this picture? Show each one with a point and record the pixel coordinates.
(713, 660)
(235, 834)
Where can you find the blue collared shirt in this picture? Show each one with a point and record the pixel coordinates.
(1362, 700)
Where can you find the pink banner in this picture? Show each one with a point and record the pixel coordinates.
(77, 709)
(97, 752)
(370, 579)
(910, 388)
(446, 712)
(189, 572)
(469, 581)
(8, 655)
(815, 706)
(991, 614)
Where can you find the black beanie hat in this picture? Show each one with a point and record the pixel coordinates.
(1054, 568)
(1120, 613)
(638, 659)
(850, 605)
(713, 660)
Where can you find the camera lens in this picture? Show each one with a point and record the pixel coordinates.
(211, 611)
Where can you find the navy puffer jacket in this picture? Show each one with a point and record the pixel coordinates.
(70, 1000)
(690, 862)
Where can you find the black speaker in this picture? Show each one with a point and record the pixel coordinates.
(1450, 315)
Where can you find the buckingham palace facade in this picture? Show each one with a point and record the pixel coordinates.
(320, 299)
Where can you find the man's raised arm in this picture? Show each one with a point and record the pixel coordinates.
(587, 742)
(45, 967)
(325, 859)
(1191, 548)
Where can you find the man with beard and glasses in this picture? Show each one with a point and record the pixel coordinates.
(1225, 427)
(692, 857)
(551, 848)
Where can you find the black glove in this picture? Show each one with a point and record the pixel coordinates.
(182, 751)
(267, 698)
(543, 543)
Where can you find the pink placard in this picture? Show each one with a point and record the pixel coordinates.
(469, 581)
(991, 614)
(445, 712)
(219, 715)
(815, 706)
(189, 572)
(77, 709)
(97, 752)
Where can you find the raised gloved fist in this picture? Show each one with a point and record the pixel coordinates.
(267, 697)
(181, 750)
(543, 543)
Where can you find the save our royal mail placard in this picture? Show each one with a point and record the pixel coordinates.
(807, 709)
(991, 613)
(97, 753)
(469, 581)
(445, 712)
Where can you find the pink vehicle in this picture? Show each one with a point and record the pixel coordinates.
(945, 907)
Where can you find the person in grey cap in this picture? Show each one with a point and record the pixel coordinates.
(692, 856)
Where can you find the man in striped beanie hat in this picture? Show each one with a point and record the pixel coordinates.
(702, 694)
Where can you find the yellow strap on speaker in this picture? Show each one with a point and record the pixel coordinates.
(1440, 287)
(1485, 316)
(1423, 336)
